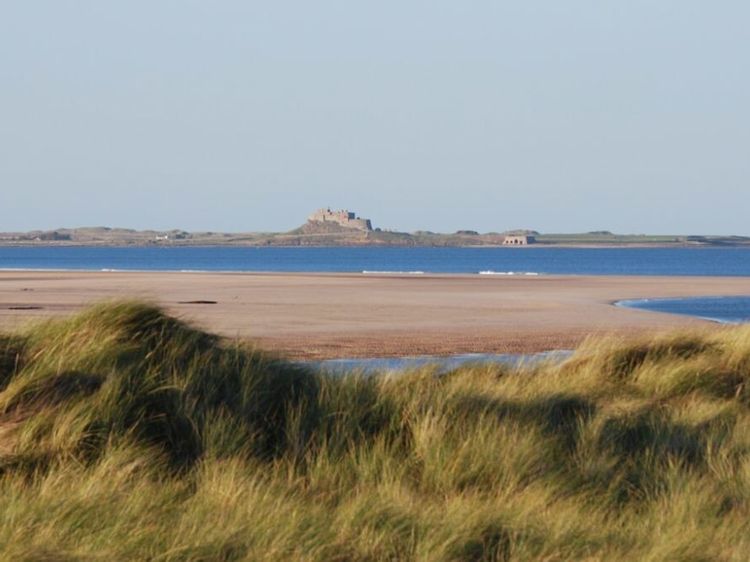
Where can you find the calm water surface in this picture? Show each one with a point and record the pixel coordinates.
(443, 364)
(727, 310)
(488, 261)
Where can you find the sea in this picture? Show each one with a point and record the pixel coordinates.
(726, 310)
(532, 262)
(727, 261)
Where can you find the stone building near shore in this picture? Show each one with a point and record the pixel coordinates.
(343, 218)
(519, 240)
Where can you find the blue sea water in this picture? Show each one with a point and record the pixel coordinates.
(727, 310)
(372, 260)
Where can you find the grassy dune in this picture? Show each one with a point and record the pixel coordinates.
(127, 435)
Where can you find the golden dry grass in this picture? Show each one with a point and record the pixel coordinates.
(127, 435)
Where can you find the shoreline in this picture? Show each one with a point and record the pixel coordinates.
(537, 245)
(374, 274)
(315, 316)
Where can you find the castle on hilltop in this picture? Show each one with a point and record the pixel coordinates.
(342, 218)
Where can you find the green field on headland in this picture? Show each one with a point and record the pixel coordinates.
(322, 235)
(128, 435)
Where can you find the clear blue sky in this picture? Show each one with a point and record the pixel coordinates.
(241, 115)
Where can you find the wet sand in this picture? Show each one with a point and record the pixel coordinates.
(340, 315)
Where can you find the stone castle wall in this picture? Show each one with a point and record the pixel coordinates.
(342, 218)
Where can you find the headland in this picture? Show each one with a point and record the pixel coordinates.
(327, 227)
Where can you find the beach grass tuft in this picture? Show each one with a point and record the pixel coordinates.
(126, 434)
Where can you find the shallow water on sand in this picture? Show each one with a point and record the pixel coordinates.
(726, 310)
(442, 364)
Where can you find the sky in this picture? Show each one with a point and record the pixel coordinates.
(239, 115)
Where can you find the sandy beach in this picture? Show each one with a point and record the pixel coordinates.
(340, 315)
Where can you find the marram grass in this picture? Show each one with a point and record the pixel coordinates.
(128, 435)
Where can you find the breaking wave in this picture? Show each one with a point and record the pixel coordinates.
(368, 272)
(526, 273)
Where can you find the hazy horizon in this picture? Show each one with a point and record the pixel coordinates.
(242, 116)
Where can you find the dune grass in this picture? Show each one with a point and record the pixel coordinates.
(128, 435)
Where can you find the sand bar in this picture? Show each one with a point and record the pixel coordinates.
(350, 315)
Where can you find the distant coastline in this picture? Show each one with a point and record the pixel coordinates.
(311, 235)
